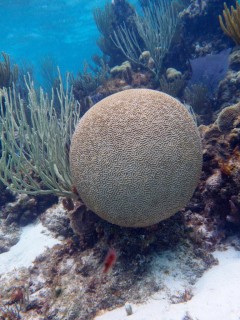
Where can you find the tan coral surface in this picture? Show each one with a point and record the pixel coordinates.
(136, 157)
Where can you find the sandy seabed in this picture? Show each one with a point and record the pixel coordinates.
(214, 296)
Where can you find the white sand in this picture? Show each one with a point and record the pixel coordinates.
(216, 296)
(33, 241)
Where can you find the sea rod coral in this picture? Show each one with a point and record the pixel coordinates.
(35, 138)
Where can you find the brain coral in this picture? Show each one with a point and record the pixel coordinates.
(227, 116)
(135, 157)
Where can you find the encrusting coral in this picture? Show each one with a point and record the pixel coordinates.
(136, 157)
(228, 92)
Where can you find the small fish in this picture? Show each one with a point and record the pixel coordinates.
(110, 260)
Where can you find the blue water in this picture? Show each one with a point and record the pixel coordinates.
(62, 29)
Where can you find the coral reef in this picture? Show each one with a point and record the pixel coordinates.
(19, 210)
(228, 92)
(173, 74)
(108, 20)
(68, 282)
(173, 83)
(86, 82)
(57, 221)
(197, 96)
(124, 71)
(72, 280)
(73, 270)
(203, 13)
(215, 203)
(5, 194)
(153, 33)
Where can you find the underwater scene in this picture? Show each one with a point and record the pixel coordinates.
(120, 160)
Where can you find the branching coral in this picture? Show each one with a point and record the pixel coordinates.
(107, 20)
(35, 140)
(90, 78)
(231, 27)
(87, 81)
(156, 28)
(104, 19)
(8, 75)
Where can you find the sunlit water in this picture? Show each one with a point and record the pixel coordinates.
(62, 29)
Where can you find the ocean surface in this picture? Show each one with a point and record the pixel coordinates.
(64, 30)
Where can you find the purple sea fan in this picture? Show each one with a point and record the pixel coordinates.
(210, 69)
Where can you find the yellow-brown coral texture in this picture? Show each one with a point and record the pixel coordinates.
(136, 157)
(231, 27)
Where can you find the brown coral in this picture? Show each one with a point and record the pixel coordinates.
(227, 116)
(232, 22)
(136, 157)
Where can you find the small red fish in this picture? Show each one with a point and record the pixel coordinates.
(110, 260)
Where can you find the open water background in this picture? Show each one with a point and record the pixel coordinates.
(61, 29)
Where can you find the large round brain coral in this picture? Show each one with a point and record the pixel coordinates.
(136, 157)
